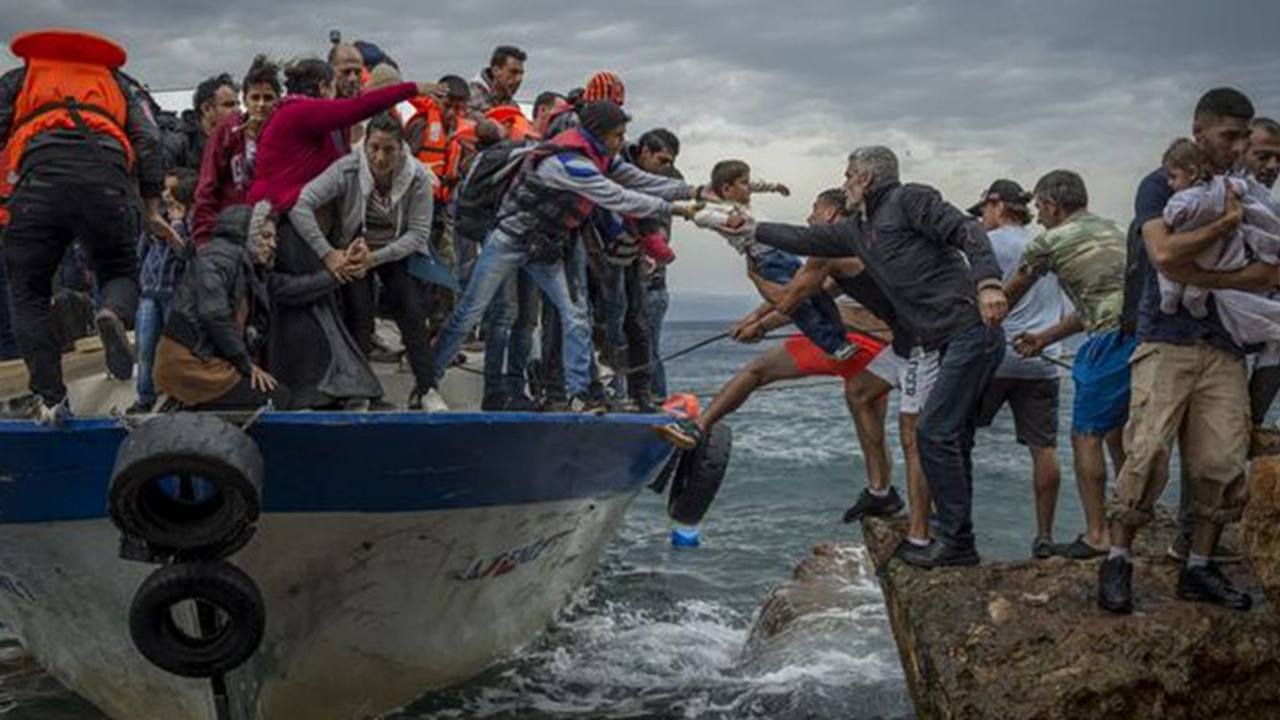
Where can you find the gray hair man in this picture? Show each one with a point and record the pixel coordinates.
(935, 266)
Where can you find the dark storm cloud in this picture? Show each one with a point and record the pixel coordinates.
(965, 91)
(955, 63)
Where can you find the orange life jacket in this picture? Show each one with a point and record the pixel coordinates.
(683, 405)
(441, 150)
(68, 74)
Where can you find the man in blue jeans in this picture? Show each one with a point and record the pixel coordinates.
(911, 242)
(559, 186)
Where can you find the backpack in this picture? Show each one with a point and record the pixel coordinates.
(479, 195)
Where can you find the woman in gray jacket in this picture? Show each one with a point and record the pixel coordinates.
(383, 202)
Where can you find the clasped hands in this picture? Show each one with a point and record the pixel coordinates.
(350, 263)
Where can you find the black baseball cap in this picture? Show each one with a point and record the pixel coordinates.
(602, 116)
(1006, 190)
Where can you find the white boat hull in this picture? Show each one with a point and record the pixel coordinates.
(401, 603)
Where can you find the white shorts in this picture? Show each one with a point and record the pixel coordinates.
(913, 376)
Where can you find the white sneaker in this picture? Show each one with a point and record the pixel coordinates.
(433, 402)
(55, 416)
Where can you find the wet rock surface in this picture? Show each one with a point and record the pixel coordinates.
(1025, 640)
(1260, 526)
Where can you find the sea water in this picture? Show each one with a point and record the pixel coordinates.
(659, 630)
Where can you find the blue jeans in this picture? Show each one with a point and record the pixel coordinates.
(508, 335)
(627, 330)
(945, 429)
(818, 317)
(656, 311)
(147, 328)
(499, 259)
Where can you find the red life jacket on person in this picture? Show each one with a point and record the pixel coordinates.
(441, 149)
(555, 214)
(69, 84)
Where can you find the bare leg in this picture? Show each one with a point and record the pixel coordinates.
(1115, 446)
(1091, 479)
(1047, 472)
(867, 398)
(918, 497)
(768, 367)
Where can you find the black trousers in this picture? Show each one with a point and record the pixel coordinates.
(405, 299)
(46, 215)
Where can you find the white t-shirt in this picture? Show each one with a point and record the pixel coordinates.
(1042, 306)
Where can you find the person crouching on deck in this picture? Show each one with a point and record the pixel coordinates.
(220, 315)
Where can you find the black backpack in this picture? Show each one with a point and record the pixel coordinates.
(479, 195)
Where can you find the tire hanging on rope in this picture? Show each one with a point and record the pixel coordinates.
(197, 620)
(187, 483)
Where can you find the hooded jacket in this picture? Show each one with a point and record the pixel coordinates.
(226, 172)
(350, 182)
(926, 256)
(219, 280)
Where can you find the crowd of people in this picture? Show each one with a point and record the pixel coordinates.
(253, 242)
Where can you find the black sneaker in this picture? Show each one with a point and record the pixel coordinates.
(645, 405)
(1206, 583)
(584, 405)
(938, 553)
(684, 434)
(870, 504)
(1115, 585)
(1042, 547)
(115, 345)
(139, 407)
(520, 403)
(1079, 550)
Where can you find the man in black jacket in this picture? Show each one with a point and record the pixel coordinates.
(77, 149)
(935, 266)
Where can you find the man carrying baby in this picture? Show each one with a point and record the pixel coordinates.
(1188, 380)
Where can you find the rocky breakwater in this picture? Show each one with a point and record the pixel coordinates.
(1260, 526)
(1025, 640)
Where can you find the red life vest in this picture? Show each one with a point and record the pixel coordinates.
(558, 212)
(69, 85)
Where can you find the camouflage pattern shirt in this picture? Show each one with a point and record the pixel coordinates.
(1087, 254)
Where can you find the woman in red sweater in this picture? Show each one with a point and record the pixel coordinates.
(230, 155)
(309, 348)
(308, 130)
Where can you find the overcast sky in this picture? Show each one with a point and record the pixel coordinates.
(964, 91)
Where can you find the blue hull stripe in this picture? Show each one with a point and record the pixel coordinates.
(368, 462)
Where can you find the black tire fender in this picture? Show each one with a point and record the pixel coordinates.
(240, 624)
(699, 476)
(227, 464)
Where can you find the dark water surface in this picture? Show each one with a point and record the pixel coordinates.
(658, 633)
